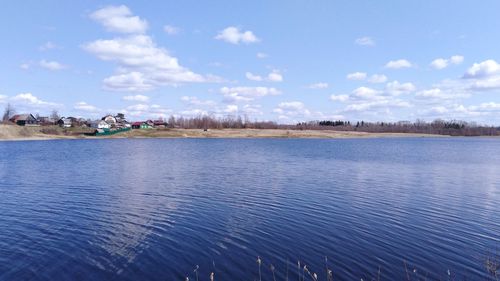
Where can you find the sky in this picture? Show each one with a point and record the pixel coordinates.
(284, 61)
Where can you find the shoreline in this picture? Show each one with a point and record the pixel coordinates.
(20, 134)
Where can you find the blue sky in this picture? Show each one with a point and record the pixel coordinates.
(285, 61)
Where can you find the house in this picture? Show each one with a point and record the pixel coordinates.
(100, 124)
(45, 121)
(159, 124)
(65, 122)
(110, 119)
(24, 120)
(141, 125)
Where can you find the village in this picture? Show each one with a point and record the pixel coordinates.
(107, 125)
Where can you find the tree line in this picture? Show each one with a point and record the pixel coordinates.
(439, 127)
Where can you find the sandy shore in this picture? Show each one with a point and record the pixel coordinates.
(16, 133)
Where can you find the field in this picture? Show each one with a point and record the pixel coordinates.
(12, 132)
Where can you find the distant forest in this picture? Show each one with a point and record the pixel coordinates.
(438, 127)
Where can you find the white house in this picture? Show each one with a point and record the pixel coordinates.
(110, 119)
(100, 124)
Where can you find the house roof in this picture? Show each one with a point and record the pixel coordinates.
(22, 117)
(137, 123)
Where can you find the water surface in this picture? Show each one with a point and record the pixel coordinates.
(153, 209)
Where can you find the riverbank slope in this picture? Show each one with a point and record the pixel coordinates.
(12, 132)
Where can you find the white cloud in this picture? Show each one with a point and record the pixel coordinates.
(395, 88)
(484, 69)
(28, 99)
(377, 78)
(52, 65)
(3, 98)
(239, 94)
(119, 19)
(292, 108)
(439, 94)
(487, 106)
(262, 55)
(191, 100)
(130, 82)
(483, 76)
(397, 64)
(231, 109)
(25, 66)
(171, 30)
(356, 76)
(275, 76)
(341, 98)
(365, 41)
(85, 107)
(48, 46)
(138, 107)
(365, 93)
(138, 98)
(439, 63)
(233, 35)
(370, 105)
(253, 77)
(142, 66)
(456, 59)
(319, 85)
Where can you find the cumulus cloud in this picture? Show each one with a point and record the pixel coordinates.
(365, 93)
(319, 85)
(439, 94)
(83, 106)
(341, 98)
(483, 69)
(292, 108)
(171, 30)
(253, 77)
(377, 78)
(235, 36)
(52, 65)
(195, 101)
(442, 63)
(365, 41)
(439, 63)
(356, 76)
(119, 19)
(483, 76)
(29, 100)
(262, 55)
(397, 64)
(245, 94)
(138, 98)
(456, 59)
(377, 104)
(142, 65)
(48, 46)
(395, 88)
(274, 76)
(147, 111)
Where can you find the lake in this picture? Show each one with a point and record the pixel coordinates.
(154, 209)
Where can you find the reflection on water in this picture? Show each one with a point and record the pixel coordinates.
(154, 209)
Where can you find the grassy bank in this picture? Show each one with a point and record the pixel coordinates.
(13, 132)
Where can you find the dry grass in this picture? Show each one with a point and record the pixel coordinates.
(13, 132)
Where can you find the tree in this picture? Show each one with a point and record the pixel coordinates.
(8, 113)
(54, 115)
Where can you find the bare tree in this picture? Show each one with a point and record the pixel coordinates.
(8, 113)
(54, 115)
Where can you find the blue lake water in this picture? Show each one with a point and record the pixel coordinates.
(153, 209)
